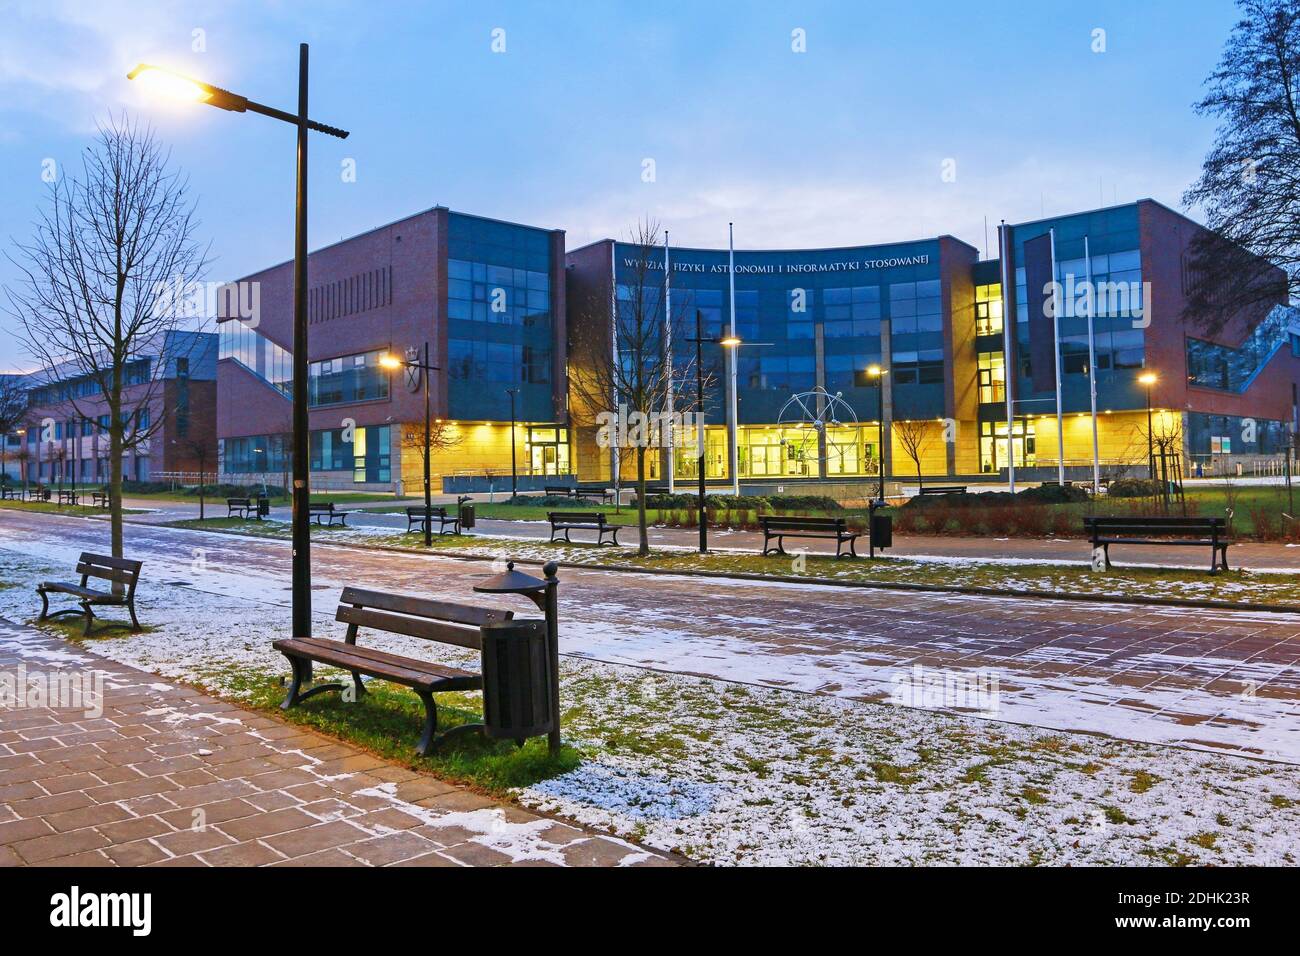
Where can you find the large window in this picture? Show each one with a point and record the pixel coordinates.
(992, 377)
(347, 379)
(988, 309)
(258, 354)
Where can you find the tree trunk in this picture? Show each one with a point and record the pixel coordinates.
(115, 486)
(643, 536)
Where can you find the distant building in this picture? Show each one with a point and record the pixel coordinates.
(909, 332)
(929, 316)
(487, 297)
(170, 388)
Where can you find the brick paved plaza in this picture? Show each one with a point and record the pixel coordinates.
(167, 776)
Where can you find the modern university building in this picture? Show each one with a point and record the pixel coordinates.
(852, 360)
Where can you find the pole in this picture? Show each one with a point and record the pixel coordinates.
(880, 428)
(1056, 345)
(1092, 370)
(514, 470)
(301, 460)
(699, 425)
(732, 420)
(428, 453)
(553, 638)
(1008, 360)
(1151, 454)
(615, 451)
(668, 360)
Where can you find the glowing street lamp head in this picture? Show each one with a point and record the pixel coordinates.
(390, 361)
(170, 84)
(1147, 378)
(874, 371)
(729, 341)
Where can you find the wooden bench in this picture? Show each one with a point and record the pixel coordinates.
(438, 621)
(10, 493)
(37, 493)
(944, 490)
(325, 513)
(597, 491)
(567, 521)
(68, 497)
(836, 529)
(241, 508)
(418, 516)
(99, 499)
(1193, 532)
(559, 491)
(117, 570)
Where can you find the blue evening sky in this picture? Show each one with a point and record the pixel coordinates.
(842, 144)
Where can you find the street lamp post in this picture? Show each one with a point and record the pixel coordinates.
(514, 468)
(184, 87)
(729, 342)
(1148, 379)
(393, 362)
(877, 373)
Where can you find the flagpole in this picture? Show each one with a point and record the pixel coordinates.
(1056, 345)
(668, 360)
(731, 361)
(615, 448)
(1092, 369)
(1008, 363)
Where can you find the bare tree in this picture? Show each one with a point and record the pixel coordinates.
(13, 411)
(110, 248)
(442, 437)
(1249, 187)
(914, 436)
(626, 359)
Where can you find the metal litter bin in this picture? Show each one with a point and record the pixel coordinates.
(263, 507)
(516, 680)
(466, 513)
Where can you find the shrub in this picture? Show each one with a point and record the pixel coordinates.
(1000, 520)
(1134, 488)
(1054, 494)
(1065, 524)
(804, 503)
(1032, 521)
(1267, 526)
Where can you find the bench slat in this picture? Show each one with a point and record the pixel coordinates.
(124, 564)
(68, 587)
(429, 630)
(424, 607)
(402, 670)
(397, 660)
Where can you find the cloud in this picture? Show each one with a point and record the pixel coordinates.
(771, 212)
(65, 61)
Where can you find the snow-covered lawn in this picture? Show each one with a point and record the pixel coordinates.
(735, 774)
(1279, 586)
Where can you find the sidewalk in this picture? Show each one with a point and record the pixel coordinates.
(167, 776)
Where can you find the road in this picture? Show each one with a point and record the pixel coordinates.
(1220, 680)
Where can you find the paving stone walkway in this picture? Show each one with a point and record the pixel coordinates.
(168, 776)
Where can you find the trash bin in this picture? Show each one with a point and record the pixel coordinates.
(263, 507)
(516, 680)
(882, 531)
(466, 515)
